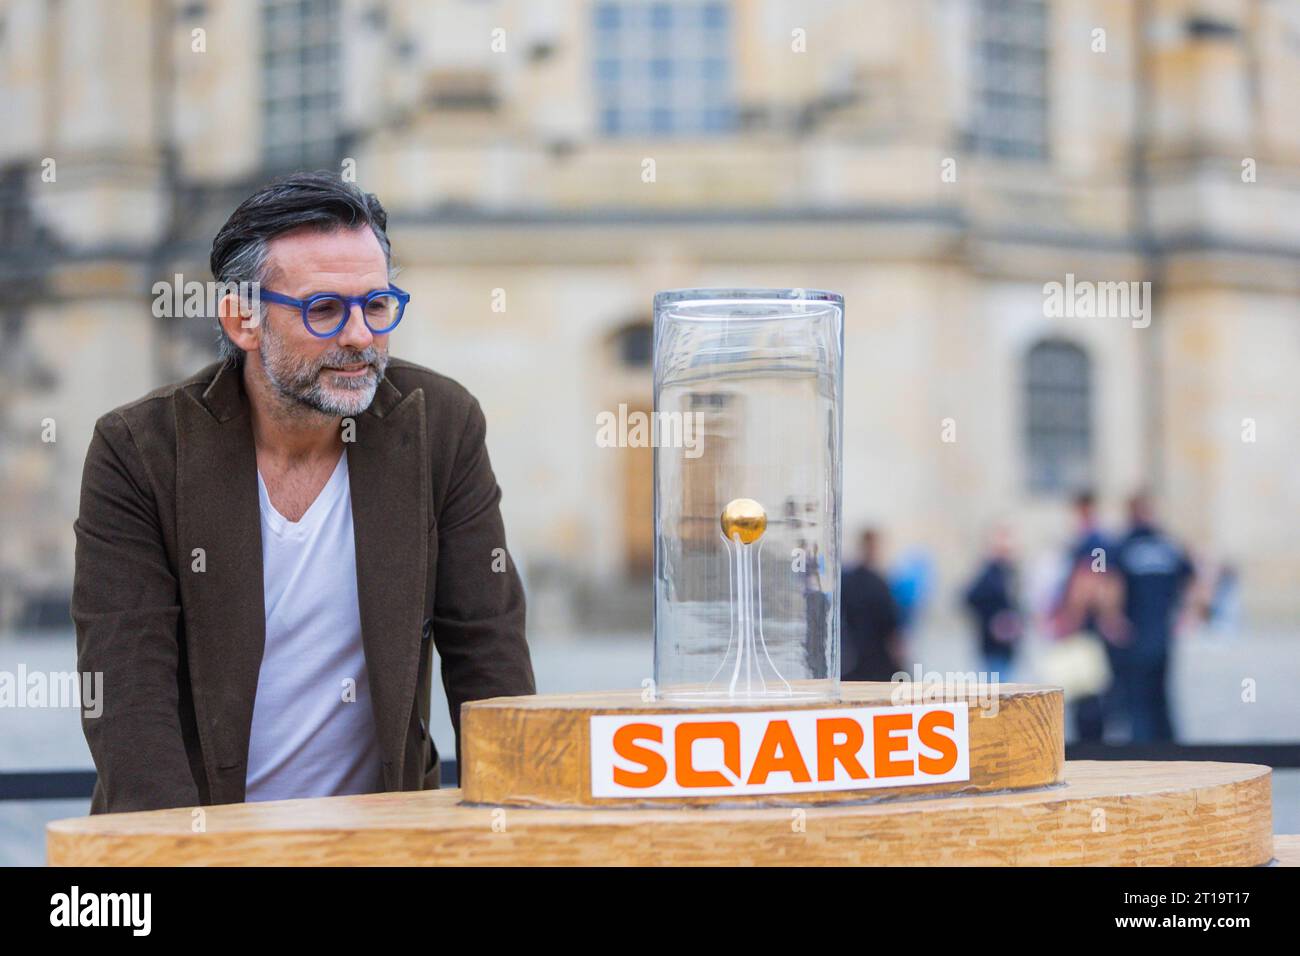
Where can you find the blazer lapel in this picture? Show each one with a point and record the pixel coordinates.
(219, 531)
(388, 474)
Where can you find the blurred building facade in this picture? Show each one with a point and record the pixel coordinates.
(549, 164)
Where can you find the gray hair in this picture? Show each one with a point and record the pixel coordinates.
(248, 264)
(240, 251)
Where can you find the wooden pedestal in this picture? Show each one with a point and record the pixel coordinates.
(535, 751)
(1022, 805)
(1107, 813)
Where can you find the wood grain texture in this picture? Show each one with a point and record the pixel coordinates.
(536, 751)
(1106, 813)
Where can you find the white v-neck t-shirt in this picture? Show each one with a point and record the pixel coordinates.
(313, 732)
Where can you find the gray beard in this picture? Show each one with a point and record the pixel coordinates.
(298, 382)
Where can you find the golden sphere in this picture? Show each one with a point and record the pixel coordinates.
(744, 517)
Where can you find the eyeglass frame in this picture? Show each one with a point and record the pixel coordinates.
(349, 301)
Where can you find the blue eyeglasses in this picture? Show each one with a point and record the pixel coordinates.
(325, 313)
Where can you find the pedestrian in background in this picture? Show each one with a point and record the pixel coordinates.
(869, 618)
(1157, 573)
(992, 598)
(1083, 604)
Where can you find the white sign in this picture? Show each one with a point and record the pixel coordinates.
(795, 751)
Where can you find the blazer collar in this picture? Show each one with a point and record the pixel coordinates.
(225, 397)
(388, 473)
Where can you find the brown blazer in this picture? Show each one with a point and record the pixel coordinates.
(167, 595)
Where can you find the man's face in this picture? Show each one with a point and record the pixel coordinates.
(337, 375)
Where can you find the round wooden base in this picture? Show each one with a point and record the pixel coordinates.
(1103, 814)
(536, 751)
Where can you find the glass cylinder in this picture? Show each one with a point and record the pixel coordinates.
(748, 401)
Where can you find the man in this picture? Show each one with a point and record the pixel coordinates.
(1089, 536)
(868, 618)
(267, 551)
(1156, 573)
(1088, 603)
(993, 601)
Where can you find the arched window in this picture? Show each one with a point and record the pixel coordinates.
(1058, 416)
